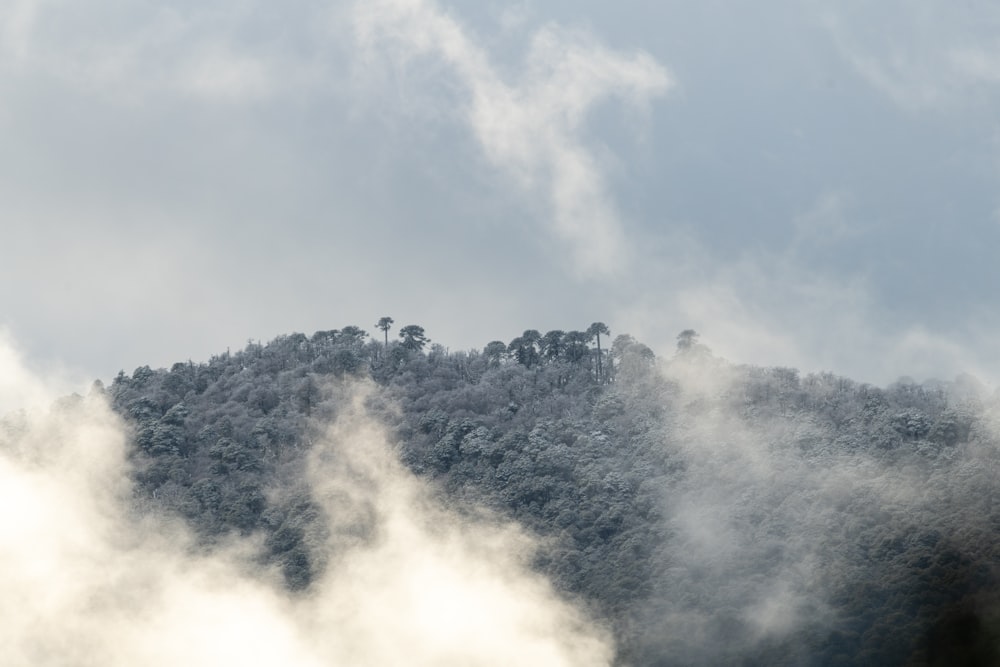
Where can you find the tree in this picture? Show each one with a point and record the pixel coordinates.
(686, 340)
(575, 346)
(325, 339)
(595, 330)
(413, 337)
(353, 334)
(524, 348)
(632, 357)
(385, 323)
(493, 352)
(552, 344)
(688, 345)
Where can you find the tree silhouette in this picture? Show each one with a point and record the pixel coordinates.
(524, 348)
(494, 352)
(385, 323)
(552, 344)
(595, 330)
(413, 337)
(353, 334)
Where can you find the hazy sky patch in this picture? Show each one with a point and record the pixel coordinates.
(530, 128)
(766, 175)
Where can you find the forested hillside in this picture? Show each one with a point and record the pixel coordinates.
(709, 513)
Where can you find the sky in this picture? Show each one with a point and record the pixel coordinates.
(810, 184)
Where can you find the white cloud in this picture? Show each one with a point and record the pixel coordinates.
(922, 55)
(783, 308)
(757, 520)
(222, 74)
(977, 64)
(20, 386)
(827, 222)
(17, 18)
(448, 591)
(135, 53)
(87, 581)
(532, 128)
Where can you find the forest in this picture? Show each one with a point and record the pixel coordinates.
(708, 513)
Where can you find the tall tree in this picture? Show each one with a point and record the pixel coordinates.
(594, 331)
(524, 348)
(575, 346)
(686, 340)
(353, 334)
(385, 323)
(494, 351)
(413, 337)
(552, 344)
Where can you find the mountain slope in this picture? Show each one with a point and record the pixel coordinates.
(711, 513)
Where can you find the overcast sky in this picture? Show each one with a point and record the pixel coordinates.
(806, 183)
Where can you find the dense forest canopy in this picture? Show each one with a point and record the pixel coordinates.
(706, 512)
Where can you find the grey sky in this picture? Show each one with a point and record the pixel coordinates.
(810, 184)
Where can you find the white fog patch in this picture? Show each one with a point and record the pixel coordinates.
(134, 54)
(770, 518)
(921, 55)
(826, 223)
(87, 579)
(457, 590)
(221, 74)
(765, 307)
(782, 308)
(17, 18)
(532, 128)
(977, 64)
(777, 609)
(20, 386)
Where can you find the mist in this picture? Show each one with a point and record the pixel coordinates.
(330, 500)
(91, 578)
(791, 536)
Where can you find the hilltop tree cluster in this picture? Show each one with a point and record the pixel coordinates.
(672, 493)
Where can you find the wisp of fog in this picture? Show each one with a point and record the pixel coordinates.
(90, 579)
(789, 537)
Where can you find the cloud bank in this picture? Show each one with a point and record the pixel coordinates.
(781, 524)
(90, 580)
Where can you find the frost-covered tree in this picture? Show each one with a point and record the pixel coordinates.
(413, 337)
(595, 330)
(385, 323)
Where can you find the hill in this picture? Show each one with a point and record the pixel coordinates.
(709, 513)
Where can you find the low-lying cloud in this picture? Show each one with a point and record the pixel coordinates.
(89, 579)
(786, 307)
(781, 526)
